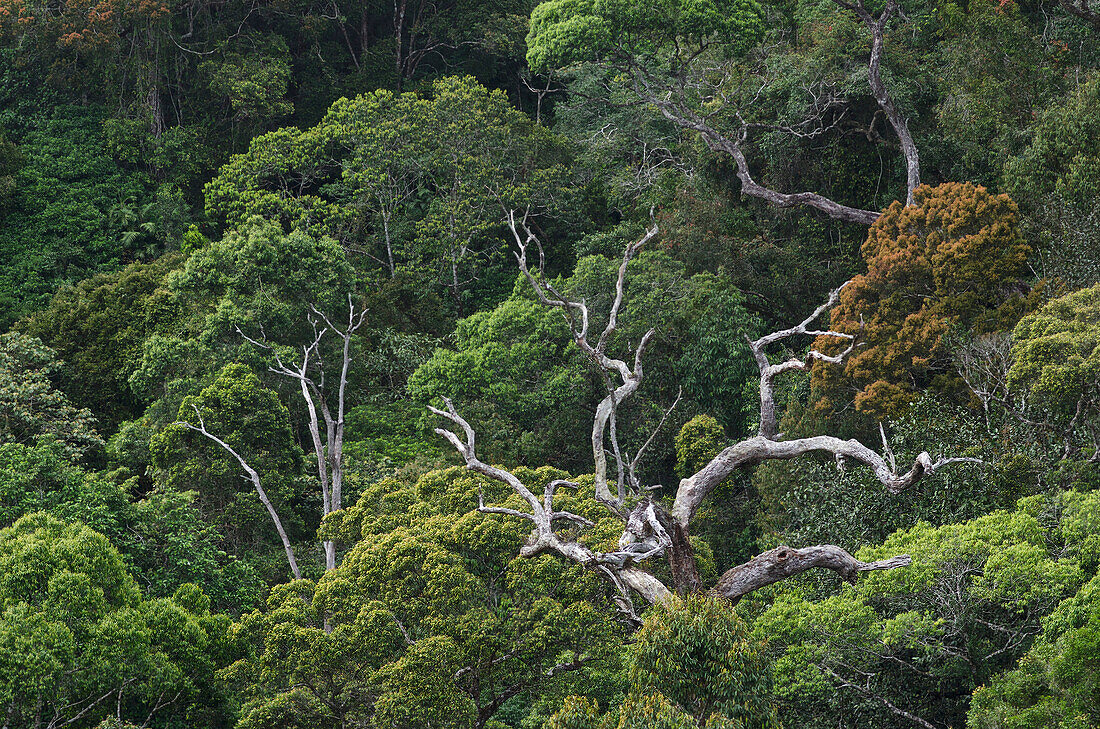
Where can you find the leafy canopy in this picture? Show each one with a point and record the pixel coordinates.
(1056, 353)
(565, 32)
(31, 407)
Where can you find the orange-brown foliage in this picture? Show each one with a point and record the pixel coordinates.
(949, 260)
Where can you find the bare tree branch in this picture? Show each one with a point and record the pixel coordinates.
(576, 315)
(756, 450)
(782, 562)
(877, 26)
(768, 372)
(616, 566)
(255, 479)
(330, 451)
(686, 118)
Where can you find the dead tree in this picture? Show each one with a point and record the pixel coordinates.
(650, 527)
(309, 373)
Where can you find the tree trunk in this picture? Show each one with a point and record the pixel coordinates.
(681, 560)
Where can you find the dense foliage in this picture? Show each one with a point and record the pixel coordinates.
(247, 245)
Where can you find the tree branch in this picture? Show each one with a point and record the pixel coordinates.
(783, 562)
(255, 478)
(877, 26)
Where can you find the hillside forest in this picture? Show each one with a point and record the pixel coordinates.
(584, 364)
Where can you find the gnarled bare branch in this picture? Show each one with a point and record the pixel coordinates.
(330, 452)
(604, 425)
(686, 118)
(758, 449)
(650, 530)
(768, 372)
(783, 562)
(877, 26)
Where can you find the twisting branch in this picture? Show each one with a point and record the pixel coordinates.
(877, 26)
(541, 514)
(255, 479)
(756, 450)
(716, 141)
(616, 566)
(672, 99)
(780, 563)
(649, 529)
(768, 372)
(576, 315)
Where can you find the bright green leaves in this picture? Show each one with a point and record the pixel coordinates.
(74, 631)
(31, 408)
(694, 664)
(421, 691)
(935, 630)
(1064, 156)
(58, 226)
(42, 478)
(518, 376)
(700, 656)
(254, 82)
(258, 276)
(697, 443)
(1056, 353)
(40, 555)
(517, 363)
(414, 183)
(566, 32)
(431, 620)
(250, 418)
(1057, 683)
(275, 179)
(296, 673)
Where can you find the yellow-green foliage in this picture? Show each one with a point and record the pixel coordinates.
(943, 626)
(700, 440)
(564, 32)
(1057, 682)
(694, 663)
(429, 588)
(1056, 353)
(74, 627)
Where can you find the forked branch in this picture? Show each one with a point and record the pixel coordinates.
(604, 425)
(329, 448)
(617, 567)
(768, 371)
